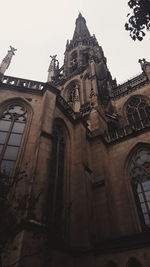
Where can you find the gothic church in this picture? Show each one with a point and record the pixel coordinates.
(84, 143)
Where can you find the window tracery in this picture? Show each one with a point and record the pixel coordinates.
(139, 172)
(12, 126)
(137, 109)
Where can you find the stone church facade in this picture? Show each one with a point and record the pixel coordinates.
(84, 144)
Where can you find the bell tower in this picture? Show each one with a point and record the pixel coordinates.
(76, 54)
(84, 80)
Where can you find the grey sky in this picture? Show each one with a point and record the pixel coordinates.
(40, 28)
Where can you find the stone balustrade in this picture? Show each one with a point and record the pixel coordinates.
(130, 85)
(22, 82)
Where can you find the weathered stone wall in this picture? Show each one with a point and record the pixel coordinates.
(98, 195)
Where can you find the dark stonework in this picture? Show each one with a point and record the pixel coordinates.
(85, 152)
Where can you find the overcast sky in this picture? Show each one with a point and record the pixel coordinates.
(40, 28)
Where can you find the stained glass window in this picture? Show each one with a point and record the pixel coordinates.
(140, 178)
(12, 125)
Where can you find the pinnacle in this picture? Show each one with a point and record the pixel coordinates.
(81, 31)
(80, 17)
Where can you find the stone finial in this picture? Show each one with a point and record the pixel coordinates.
(145, 66)
(53, 68)
(143, 62)
(7, 60)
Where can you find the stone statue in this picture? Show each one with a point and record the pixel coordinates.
(53, 68)
(53, 61)
(7, 60)
(76, 92)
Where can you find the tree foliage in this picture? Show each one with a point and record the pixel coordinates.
(138, 19)
(13, 207)
(8, 218)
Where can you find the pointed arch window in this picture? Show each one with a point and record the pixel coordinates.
(139, 171)
(138, 109)
(12, 125)
(57, 179)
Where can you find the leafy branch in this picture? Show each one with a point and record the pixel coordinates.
(14, 206)
(138, 19)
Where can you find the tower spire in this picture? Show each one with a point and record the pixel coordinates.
(7, 60)
(81, 31)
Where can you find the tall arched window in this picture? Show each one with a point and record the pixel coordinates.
(133, 262)
(57, 179)
(12, 125)
(139, 171)
(137, 109)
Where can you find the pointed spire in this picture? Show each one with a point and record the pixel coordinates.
(81, 31)
(7, 60)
